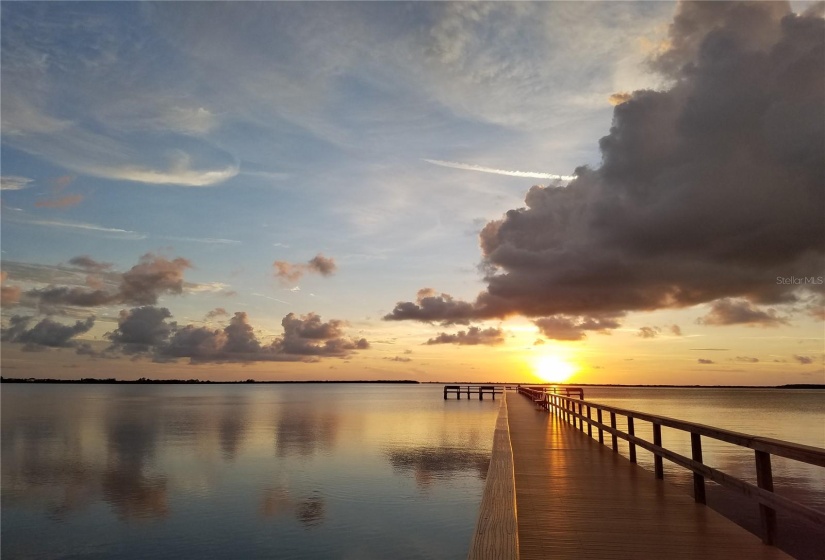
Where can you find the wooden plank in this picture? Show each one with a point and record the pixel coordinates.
(496, 534)
(578, 499)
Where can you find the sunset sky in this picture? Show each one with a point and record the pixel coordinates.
(622, 192)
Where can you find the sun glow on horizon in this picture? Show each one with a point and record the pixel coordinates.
(553, 369)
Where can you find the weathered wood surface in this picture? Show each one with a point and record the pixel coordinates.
(577, 499)
(496, 535)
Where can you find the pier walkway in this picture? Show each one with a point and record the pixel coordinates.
(576, 499)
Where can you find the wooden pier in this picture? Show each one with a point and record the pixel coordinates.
(468, 390)
(577, 498)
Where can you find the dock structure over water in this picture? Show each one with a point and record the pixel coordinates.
(579, 499)
(468, 390)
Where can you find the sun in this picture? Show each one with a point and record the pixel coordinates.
(553, 369)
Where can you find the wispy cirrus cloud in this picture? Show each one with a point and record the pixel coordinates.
(14, 183)
(180, 173)
(510, 173)
(83, 226)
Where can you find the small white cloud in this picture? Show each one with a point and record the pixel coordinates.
(14, 183)
(209, 287)
(178, 174)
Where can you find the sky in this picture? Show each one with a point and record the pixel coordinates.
(620, 192)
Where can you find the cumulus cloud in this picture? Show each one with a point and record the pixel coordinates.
(707, 191)
(141, 328)
(471, 337)
(46, 333)
(705, 361)
(151, 277)
(740, 312)
(142, 284)
(431, 307)
(60, 202)
(217, 312)
(649, 332)
(146, 330)
(805, 360)
(307, 335)
(88, 264)
(9, 295)
(562, 327)
(620, 97)
(292, 272)
(322, 265)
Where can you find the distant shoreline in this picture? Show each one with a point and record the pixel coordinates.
(146, 381)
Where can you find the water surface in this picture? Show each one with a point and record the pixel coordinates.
(241, 471)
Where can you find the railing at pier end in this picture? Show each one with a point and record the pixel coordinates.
(579, 412)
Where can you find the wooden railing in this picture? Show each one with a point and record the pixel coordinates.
(578, 412)
(468, 390)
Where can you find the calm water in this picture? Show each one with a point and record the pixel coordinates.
(238, 471)
(794, 415)
(311, 471)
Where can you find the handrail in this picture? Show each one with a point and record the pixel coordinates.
(573, 410)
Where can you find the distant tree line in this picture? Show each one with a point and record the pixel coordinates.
(146, 380)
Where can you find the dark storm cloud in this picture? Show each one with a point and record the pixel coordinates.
(306, 338)
(471, 337)
(307, 335)
(707, 191)
(740, 312)
(141, 328)
(74, 297)
(142, 284)
(431, 307)
(292, 272)
(45, 333)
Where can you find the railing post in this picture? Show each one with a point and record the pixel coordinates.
(615, 438)
(601, 431)
(581, 414)
(631, 432)
(764, 479)
(698, 479)
(658, 468)
(589, 425)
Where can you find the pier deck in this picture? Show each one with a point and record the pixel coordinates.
(577, 499)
